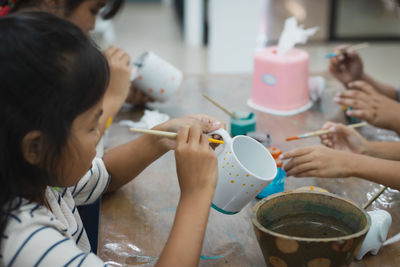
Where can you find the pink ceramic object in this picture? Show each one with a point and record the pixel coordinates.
(280, 82)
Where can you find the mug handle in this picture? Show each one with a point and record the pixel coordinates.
(225, 136)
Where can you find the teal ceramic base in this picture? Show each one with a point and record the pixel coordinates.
(244, 124)
(277, 185)
(223, 211)
(351, 120)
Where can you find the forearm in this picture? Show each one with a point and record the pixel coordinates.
(127, 160)
(382, 88)
(383, 150)
(380, 171)
(185, 242)
(111, 105)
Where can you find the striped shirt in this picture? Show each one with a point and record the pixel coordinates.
(37, 236)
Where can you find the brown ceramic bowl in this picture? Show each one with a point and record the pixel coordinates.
(310, 229)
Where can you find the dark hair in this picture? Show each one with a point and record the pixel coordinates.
(109, 11)
(50, 73)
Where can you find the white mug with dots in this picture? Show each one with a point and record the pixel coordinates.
(155, 77)
(245, 168)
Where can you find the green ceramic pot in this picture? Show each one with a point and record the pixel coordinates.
(311, 229)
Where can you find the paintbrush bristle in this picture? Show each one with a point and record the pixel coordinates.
(292, 138)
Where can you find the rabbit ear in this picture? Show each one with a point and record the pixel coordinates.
(384, 225)
(382, 233)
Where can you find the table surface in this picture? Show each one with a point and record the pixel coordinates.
(136, 220)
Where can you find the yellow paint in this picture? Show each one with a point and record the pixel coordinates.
(232, 181)
(247, 193)
(237, 174)
(233, 165)
(244, 184)
(312, 188)
(109, 121)
(224, 158)
(247, 175)
(230, 173)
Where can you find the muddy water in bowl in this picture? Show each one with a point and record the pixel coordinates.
(312, 229)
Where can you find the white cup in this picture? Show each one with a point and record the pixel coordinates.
(155, 77)
(245, 168)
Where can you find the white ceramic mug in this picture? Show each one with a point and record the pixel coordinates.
(155, 77)
(245, 168)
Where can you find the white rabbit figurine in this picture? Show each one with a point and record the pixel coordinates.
(376, 236)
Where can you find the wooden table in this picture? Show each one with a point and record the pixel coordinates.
(136, 220)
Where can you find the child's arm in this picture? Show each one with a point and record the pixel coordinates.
(348, 67)
(118, 87)
(126, 161)
(197, 173)
(319, 161)
(382, 88)
(371, 106)
(345, 138)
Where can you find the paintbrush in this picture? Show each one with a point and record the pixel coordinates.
(369, 202)
(321, 132)
(221, 107)
(169, 134)
(349, 49)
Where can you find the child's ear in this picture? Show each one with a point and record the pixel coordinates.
(31, 147)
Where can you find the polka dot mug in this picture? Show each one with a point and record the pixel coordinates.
(156, 77)
(245, 168)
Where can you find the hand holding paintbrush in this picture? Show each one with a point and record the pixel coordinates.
(345, 64)
(171, 135)
(348, 49)
(321, 132)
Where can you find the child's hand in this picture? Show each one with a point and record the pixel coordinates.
(137, 97)
(196, 163)
(206, 123)
(120, 72)
(317, 161)
(369, 105)
(343, 138)
(347, 67)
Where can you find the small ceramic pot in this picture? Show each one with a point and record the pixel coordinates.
(311, 229)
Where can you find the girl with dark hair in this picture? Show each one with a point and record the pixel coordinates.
(53, 82)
